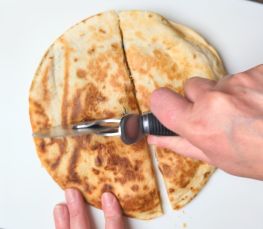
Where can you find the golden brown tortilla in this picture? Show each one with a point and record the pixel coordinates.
(83, 76)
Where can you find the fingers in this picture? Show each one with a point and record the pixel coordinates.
(196, 86)
(112, 212)
(178, 145)
(171, 109)
(78, 214)
(61, 216)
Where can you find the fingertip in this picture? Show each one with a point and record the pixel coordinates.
(108, 200)
(59, 208)
(61, 216)
(112, 211)
(78, 214)
(72, 195)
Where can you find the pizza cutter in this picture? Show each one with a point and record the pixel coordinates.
(131, 128)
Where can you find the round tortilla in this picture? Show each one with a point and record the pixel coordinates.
(103, 67)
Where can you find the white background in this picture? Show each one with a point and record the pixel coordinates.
(28, 194)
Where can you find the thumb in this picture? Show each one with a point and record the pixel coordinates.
(171, 109)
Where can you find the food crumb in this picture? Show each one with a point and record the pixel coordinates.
(184, 225)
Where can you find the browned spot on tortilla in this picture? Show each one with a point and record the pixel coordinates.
(150, 15)
(64, 107)
(108, 114)
(206, 174)
(116, 163)
(166, 170)
(81, 73)
(140, 203)
(143, 63)
(93, 97)
(145, 187)
(179, 32)
(178, 206)
(135, 188)
(44, 82)
(131, 99)
(194, 56)
(180, 170)
(87, 188)
(41, 146)
(138, 165)
(76, 59)
(40, 119)
(73, 176)
(139, 35)
(91, 50)
(171, 190)
(140, 145)
(85, 103)
(114, 45)
(62, 145)
(98, 161)
(76, 107)
(82, 141)
(115, 82)
(95, 171)
(102, 30)
(106, 188)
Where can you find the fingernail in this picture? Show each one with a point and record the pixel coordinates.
(107, 199)
(71, 195)
(60, 211)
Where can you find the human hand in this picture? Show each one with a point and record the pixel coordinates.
(73, 214)
(220, 123)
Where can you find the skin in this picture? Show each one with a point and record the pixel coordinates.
(220, 123)
(73, 214)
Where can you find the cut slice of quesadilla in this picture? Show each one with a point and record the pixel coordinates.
(164, 54)
(82, 77)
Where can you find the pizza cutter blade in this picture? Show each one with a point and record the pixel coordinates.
(131, 128)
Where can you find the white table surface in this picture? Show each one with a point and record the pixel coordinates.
(28, 194)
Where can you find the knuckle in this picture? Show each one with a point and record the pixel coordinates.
(189, 83)
(238, 79)
(215, 101)
(258, 68)
(255, 70)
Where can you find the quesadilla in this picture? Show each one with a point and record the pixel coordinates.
(103, 67)
(164, 54)
(83, 76)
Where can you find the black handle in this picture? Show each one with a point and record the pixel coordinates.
(151, 125)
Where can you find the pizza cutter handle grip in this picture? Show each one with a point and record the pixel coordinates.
(151, 125)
